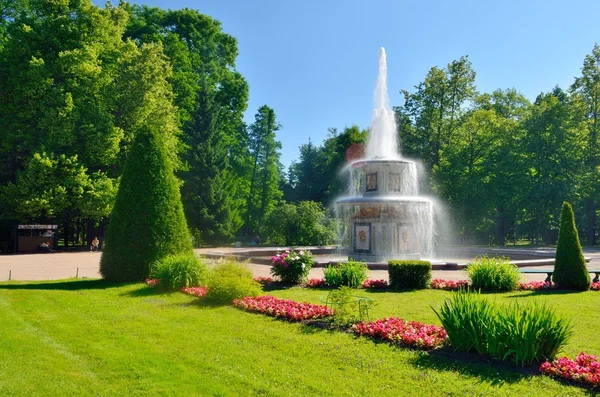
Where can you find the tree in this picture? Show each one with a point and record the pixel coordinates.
(264, 190)
(211, 97)
(431, 116)
(147, 222)
(308, 174)
(586, 111)
(551, 165)
(569, 266)
(58, 188)
(304, 223)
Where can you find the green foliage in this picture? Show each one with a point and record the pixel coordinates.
(58, 187)
(570, 270)
(304, 223)
(211, 97)
(466, 317)
(264, 193)
(178, 271)
(231, 280)
(517, 332)
(350, 274)
(409, 274)
(347, 308)
(493, 274)
(147, 222)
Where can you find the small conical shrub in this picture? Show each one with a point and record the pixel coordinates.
(147, 222)
(569, 266)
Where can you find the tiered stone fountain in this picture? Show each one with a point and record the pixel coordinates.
(386, 218)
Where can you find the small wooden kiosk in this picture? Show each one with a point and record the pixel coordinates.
(31, 236)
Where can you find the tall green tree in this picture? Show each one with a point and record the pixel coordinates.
(147, 222)
(211, 97)
(431, 115)
(74, 89)
(551, 165)
(264, 192)
(586, 111)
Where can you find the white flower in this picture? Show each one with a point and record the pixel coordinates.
(303, 266)
(301, 253)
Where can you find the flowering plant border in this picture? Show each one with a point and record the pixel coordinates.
(585, 369)
(283, 308)
(406, 333)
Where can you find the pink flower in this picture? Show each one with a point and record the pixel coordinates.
(375, 284)
(196, 291)
(152, 281)
(316, 283)
(449, 285)
(402, 332)
(585, 369)
(283, 308)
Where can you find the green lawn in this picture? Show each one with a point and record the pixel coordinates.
(89, 338)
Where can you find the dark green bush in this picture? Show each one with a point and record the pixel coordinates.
(519, 333)
(349, 274)
(411, 274)
(178, 271)
(569, 267)
(147, 222)
(231, 280)
(493, 274)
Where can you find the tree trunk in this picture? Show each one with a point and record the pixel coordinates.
(590, 210)
(501, 227)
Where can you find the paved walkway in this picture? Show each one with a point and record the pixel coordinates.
(61, 265)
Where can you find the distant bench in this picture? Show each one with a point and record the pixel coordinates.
(549, 273)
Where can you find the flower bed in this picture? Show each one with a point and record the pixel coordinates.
(407, 333)
(316, 283)
(585, 369)
(448, 285)
(152, 281)
(595, 286)
(375, 284)
(196, 291)
(263, 280)
(536, 286)
(283, 308)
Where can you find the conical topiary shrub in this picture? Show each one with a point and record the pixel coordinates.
(569, 266)
(147, 222)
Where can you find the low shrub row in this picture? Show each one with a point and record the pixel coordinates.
(407, 333)
(520, 333)
(409, 274)
(283, 308)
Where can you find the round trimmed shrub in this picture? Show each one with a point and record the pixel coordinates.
(179, 271)
(231, 280)
(147, 222)
(349, 274)
(570, 270)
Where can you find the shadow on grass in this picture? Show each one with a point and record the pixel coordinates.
(544, 292)
(492, 371)
(65, 285)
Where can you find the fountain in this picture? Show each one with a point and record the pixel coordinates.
(385, 216)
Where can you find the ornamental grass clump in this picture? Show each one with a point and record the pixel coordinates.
(179, 271)
(349, 274)
(519, 333)
(231, 280)
(493, 274)
(292, 267)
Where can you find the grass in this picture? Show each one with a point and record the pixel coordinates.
(91, 338)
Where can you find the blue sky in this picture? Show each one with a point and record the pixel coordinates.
(315, 61)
